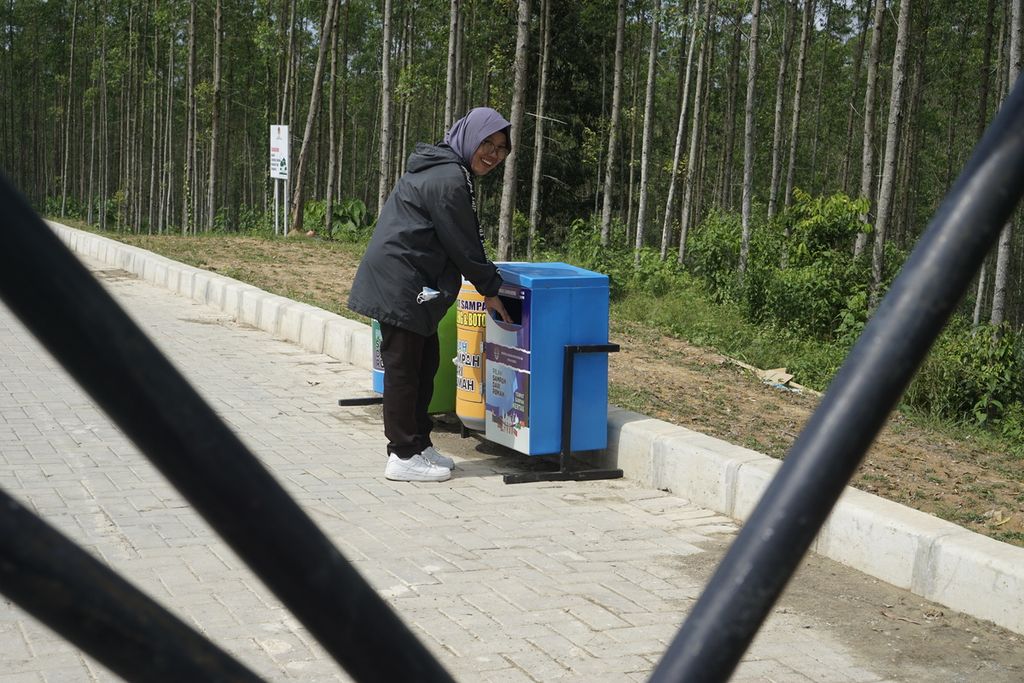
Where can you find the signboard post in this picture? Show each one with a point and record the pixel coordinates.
(279, 169)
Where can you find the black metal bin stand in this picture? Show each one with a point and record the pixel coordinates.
(564, 473)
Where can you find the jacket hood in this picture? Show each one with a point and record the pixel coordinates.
(427, 156)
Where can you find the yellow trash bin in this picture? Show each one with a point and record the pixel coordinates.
(470, 322)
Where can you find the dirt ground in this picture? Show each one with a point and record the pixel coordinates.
(664, 377)
(905, 637)
(909, 463)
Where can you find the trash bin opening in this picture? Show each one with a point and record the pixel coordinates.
(514, 307)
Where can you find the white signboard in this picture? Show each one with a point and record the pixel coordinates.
(279, 152)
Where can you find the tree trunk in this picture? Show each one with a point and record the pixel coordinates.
(794, 129)
(983, 75)
(449, 89)
(285, 110)
(508, 189)
(190, 108)
(613, 132)
(67, 111)
(885, 192)
(343, 104)
(909, 186)
(817, 100)
(289, 59)
(700, 168)
(214, 119)
(858, 61)
(632, 142)
(867, 164)
(725, 183)
(398, 101)
(748, 138)
(982, 120)
(1002, 273)
(384, 172)
(979, 300)
(332, 155)
(695, 126)
(90, 192)
(166, 170)
(326, 31)
(780, 87)
(104, 156)
(538, 136)
(645, 145)
(666, 224)
(461, 57)
(7, 153)
(155, 132)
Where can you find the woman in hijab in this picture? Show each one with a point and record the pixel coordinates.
(426, 239)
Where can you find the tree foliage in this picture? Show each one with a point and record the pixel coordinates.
(105, 139)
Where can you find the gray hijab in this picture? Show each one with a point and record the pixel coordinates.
(468, 132)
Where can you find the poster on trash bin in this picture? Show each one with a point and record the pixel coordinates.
(507, 349)
(508, 397)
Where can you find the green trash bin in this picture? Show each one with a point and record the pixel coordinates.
(444, 381)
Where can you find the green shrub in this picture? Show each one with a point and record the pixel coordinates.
(822, 225)
(1011, 426)
(976, 375)
(313, 213)
(351, 221)
(713, 254)
(254, 221)
(809, 283)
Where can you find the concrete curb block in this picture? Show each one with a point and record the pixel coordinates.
(312, 328)
(935, 559)
(915, 551)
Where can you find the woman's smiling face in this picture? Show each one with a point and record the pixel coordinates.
(491, 152)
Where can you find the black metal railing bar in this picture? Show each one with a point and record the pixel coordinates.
(825, 456)
(60, 302)
(81, 598)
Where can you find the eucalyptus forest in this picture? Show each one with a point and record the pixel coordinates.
(786, 153)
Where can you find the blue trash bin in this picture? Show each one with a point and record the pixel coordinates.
(552, 305)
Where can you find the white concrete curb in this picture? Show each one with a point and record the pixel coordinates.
(932, 558)
(310, 327)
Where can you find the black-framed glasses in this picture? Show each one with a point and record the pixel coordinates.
(488, 147)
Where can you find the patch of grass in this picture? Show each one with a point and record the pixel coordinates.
(962, 516)
(983, 491)
(690, 315)
(755, 444)
(638, 400)
(1014, 537)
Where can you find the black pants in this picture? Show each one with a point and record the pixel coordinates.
(410, 363)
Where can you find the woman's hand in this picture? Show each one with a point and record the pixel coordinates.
(494, 304)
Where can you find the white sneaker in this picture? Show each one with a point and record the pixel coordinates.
(416, 468)
(435, 456)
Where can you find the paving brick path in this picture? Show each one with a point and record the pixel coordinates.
(581, 581)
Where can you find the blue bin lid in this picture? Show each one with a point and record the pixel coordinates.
(549, 275)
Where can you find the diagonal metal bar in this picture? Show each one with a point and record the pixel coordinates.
(825, 456)
(99, 345)
(93, 607)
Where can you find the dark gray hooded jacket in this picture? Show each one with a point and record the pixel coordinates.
(427, 235)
